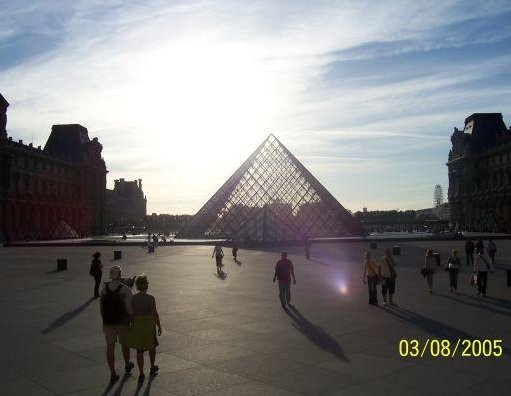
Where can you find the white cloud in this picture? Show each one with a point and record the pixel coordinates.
(180, 93)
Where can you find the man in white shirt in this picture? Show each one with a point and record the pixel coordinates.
(482, 264)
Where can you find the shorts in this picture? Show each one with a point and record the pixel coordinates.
(114, 333)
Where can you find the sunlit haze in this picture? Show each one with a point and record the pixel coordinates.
(366, 94)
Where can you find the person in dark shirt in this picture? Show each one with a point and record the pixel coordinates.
(284, 272)
(469, 251)
(96, 271)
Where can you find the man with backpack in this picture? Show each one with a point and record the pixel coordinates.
(116, 311)
(284, 272)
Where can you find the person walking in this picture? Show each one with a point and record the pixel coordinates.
(453, 266)
(96, 271)
(234, 250)
(308, 246)
(146, 324)
(430, 266)
(389, 275)
(492, 249)
(116, 311)
(469, 251)
(371, 275)
(482, 265)
(479, 245)
(284, 271)
(218, 253)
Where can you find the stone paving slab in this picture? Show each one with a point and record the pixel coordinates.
(231, 337)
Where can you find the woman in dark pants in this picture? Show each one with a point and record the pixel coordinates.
(453, 266)
(96, 270)
(371, 275)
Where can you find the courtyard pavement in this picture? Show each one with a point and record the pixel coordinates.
(231, 337)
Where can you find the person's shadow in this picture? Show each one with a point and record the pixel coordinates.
(478, 303)
(118, 391)
(437, 329)
(237, 261)
(315, 334)
(67, 316)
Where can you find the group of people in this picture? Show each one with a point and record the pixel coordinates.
(384, 272)
(481, 265)
(131, 320)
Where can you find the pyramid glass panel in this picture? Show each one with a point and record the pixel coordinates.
(272, 197)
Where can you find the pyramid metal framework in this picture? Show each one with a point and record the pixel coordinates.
(272, 197)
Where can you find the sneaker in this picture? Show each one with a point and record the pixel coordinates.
(385, 303)
(128, 367)
(141, 378)
(154, 370)
(114, 378)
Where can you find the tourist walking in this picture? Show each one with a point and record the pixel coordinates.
(308, 246)
(371, 275)
(218, 253)
(453, 266)
(116, 312)
(146, 323)
(96, 271)
(389, 275)
(479, 245)
(469, 251)
(284, 272)
(482, 265)
(234, 250)
(492, 249)
(430, 266)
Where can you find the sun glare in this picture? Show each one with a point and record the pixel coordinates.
(198, 97)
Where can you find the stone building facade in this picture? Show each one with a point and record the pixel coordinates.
(126, 203)
(59, 187)
(480, 174)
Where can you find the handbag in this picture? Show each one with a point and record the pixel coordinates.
(424, 271)
(473, 280)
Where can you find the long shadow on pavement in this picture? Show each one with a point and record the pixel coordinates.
(316, 334)
(67, 316)
(478, 304)
(437, 329)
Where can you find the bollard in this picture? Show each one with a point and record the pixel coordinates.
(508, 273)
(117, 254)
(150, 248)
(437, 258)
(61, 264)
(396, 250)
(373, 245)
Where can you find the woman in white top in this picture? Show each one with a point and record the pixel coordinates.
(482, 264)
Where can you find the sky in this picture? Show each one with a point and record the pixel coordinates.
(364, 93)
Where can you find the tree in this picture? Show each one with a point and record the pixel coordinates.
(438, 196)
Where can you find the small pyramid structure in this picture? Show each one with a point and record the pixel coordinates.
(272, 197)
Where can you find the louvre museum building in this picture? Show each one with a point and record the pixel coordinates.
(480, 174)
(54, 192)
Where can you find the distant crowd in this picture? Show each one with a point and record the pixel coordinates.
(384, 271)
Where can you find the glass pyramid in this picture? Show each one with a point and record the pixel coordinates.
(272, 197)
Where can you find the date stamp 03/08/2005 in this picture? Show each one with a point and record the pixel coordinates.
(444, 348)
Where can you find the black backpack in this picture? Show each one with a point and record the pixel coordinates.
(113, 308)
